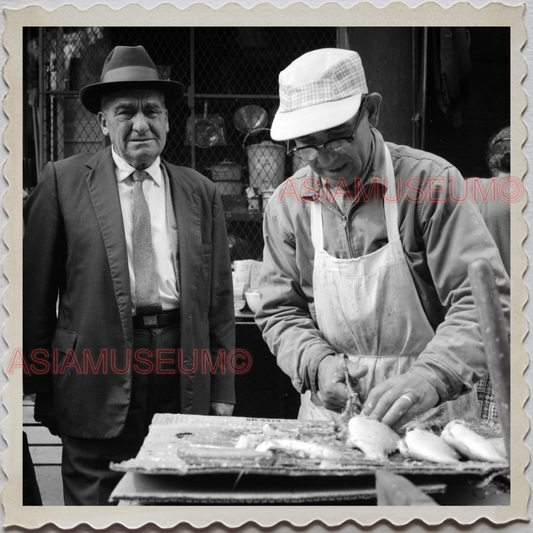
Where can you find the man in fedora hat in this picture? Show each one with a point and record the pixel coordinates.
(136, 250)
(365, 259)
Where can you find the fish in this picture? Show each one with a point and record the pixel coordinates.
(426, 446)
(374, 438)
(458, 435)
(300, 448)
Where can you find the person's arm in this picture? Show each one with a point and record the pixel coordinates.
(285, 313)
(222, 314)
(44, 252)
(454, 235)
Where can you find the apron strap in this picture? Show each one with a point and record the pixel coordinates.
(390, 200)
(317, 235)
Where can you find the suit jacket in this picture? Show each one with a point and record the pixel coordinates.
(74, 246)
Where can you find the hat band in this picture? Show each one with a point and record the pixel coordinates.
(130, 74)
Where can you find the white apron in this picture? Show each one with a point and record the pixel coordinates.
(368, 308)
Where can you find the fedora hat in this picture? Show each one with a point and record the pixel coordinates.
(129, 68)
(318, 91)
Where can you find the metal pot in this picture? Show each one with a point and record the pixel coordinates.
(206, 133)
(226, 171)
(208, 130)
(250, 118)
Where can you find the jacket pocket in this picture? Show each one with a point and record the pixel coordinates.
(64, 340)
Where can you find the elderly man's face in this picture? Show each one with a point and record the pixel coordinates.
(137, 125)
(347, 164)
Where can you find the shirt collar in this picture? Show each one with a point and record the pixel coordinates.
(124, 169)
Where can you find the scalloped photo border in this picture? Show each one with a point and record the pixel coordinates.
(395, 14)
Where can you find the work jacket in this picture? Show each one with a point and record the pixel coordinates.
(441, 231)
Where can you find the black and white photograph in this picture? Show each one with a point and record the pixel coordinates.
(268, 265)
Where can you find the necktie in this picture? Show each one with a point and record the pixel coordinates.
(146, 291)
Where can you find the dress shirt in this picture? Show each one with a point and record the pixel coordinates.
(154, 192)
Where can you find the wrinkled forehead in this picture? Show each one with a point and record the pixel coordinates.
(133, 97)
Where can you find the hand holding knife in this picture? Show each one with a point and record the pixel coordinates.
(353, 405)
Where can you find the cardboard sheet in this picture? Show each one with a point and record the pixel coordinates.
(190, 444)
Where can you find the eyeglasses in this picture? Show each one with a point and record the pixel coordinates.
(310, 152)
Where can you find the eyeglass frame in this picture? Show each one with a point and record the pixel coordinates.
(349, 138)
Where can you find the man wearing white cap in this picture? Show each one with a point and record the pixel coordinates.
(360, 261)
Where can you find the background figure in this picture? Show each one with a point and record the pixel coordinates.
(497, 215)
(495, 209)
(136, 250)
(499, 153)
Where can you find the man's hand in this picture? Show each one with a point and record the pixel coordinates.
(221, 409)
(399, 399)
(45, 412)
(331, 383)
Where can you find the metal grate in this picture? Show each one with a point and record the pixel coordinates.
(224, 69)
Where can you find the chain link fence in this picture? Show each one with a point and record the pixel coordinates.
(222, 128)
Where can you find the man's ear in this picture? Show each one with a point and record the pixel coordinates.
(102, 120)
(373, 104)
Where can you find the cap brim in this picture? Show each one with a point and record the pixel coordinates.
(314, 118)
(91, 95)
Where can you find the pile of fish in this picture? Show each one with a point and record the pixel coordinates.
(377, 440)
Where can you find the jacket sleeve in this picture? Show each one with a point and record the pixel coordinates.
(286, 314)
(221, 314)
(454, 235)
(44, 251)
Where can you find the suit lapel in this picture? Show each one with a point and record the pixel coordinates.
(102, 185)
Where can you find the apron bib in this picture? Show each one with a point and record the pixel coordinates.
(368, 308)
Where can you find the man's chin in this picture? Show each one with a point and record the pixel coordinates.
(342, 172)
(142, 159)
(339, 178)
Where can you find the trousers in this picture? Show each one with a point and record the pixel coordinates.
(87, 478)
